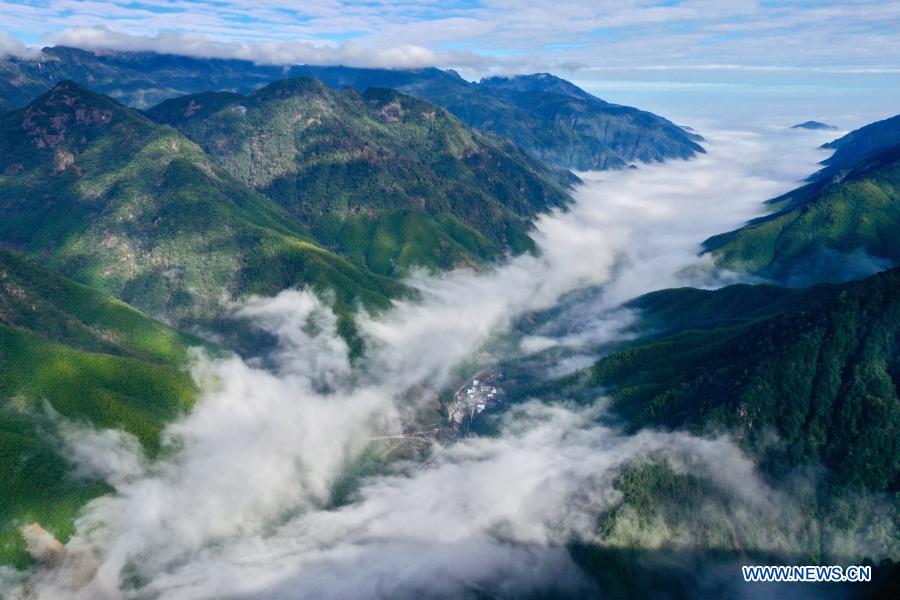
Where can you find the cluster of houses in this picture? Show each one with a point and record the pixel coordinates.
(472, 398)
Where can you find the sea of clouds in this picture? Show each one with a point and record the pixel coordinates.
(240, 504)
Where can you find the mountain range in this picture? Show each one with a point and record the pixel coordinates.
(546, 116)
(858, 145)
(815, 367)
(119, 214)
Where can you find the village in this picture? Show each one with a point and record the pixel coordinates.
(473, 398)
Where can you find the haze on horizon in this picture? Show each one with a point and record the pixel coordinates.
(769, 63)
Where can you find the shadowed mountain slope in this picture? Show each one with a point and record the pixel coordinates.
(858, 145)
(811, 378)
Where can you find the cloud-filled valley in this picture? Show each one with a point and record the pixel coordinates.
(241, 503)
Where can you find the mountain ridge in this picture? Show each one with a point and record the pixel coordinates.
(858, 145)
(388, 179)
(577, 131)
(815, 125)
(819, 367)
(829, 229)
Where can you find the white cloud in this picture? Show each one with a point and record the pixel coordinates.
(108, 454)
(492, 36)
(11, 46)
(403, 56)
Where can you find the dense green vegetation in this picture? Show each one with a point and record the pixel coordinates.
(831, 229)
(35, 298)
(130, 208)
(660, 507)
(548, 117)
(683, 308)
(675, 534)
(135, 209)
(800, 379)
(388, 180)
(820, 374)
(69, 350)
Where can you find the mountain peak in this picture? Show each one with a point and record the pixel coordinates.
(813, 125)
(538, 82)
(67, 86)
(70, 116)
(52, 117)
(68, 96)
(297, 86)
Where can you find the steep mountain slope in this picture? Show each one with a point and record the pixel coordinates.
(37, 299)
(540, 113)
(591, 125)
(66, 349)
(548, 117)
(819, 369)
(860, 144)
(831, 229)
(135, 209)
(389, 180)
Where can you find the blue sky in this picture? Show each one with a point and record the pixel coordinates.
(838, 60)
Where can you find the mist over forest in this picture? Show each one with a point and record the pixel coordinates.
(287, 320)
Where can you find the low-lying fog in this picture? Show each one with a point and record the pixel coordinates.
(242, 504)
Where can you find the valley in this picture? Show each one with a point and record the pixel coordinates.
(357, 332)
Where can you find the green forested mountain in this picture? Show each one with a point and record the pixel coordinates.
(36, 299)
(540, 113)
(135, 209)
(831, 229)
(386, 179)
(860, 144)
(72, 350)
(548, 117)
(810, 379)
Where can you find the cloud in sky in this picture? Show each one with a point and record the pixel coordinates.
(264, 51)
(741, 60)
(484, 36)
(10, 45)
